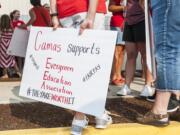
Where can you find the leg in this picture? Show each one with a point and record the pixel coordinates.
(158, 115)
(117, 65)
(147, 90)
(132, 53)
(5, 73)
(79, 122)
(79, 116)
(161, 102)
(121, 49)
(148, 75)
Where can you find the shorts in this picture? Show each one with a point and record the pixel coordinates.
(119, 36)
(75, 21)
(166, 21)
(134, 33)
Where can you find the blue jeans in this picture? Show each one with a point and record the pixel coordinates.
(119, 40)
(166, 22)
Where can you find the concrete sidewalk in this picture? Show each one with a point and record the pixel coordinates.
(10, 91)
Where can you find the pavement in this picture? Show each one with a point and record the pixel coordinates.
(9, 94)
(10, 91)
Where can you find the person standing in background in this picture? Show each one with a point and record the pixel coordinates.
(16, 22)
(6, 32)
(134, 37)
(39, 16)
(15, 18)
(117, 23)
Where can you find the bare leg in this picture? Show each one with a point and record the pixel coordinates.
(132, 53)
(148, 75)
(17, 70)
(143, 72)
(161, 102)
(79, 116)
(118, 61)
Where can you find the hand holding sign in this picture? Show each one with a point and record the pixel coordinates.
(70, 71)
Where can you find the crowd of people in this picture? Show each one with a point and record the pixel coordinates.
(128, 19)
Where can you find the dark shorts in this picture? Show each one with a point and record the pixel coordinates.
(134, 33)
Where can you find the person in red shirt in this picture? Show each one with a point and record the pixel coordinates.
(15, 17)
(116, 23)
(83, 14)
(16, 22)
(39, 16)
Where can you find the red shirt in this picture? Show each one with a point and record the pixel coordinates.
(70, 7)
(117, 19)
(17, 23)
(40, 20)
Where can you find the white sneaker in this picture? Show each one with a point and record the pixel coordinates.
(124, 91)
(147, 91)
(104, 121)
(78, 125)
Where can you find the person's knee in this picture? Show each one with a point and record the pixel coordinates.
(131, 55)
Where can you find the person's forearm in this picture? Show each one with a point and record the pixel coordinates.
(115, 8)
(53, 7)
(92, 9)
(30, 22)
(32, 18)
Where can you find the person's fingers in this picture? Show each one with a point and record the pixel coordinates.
(55, 27)
(81, 31)
(82, 28)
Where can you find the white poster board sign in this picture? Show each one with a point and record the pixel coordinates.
(151, 64)
(68, 70)
(18, 44)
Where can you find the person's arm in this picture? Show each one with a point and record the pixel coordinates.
(32, 18)
(88, 23)
(54, 13)
(31, 21)
(115, 8)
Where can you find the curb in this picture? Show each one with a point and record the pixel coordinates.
(114, 129)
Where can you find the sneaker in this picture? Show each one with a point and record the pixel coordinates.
(147, 91)
(104, 121)
(154, 119)
(151, 98)
(175, 115)
(78, 125)
(124, 91)
(173, 105)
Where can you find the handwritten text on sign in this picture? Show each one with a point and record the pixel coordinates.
(68, 70)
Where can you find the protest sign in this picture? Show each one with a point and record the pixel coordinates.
(68, 70)
(18, 44)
